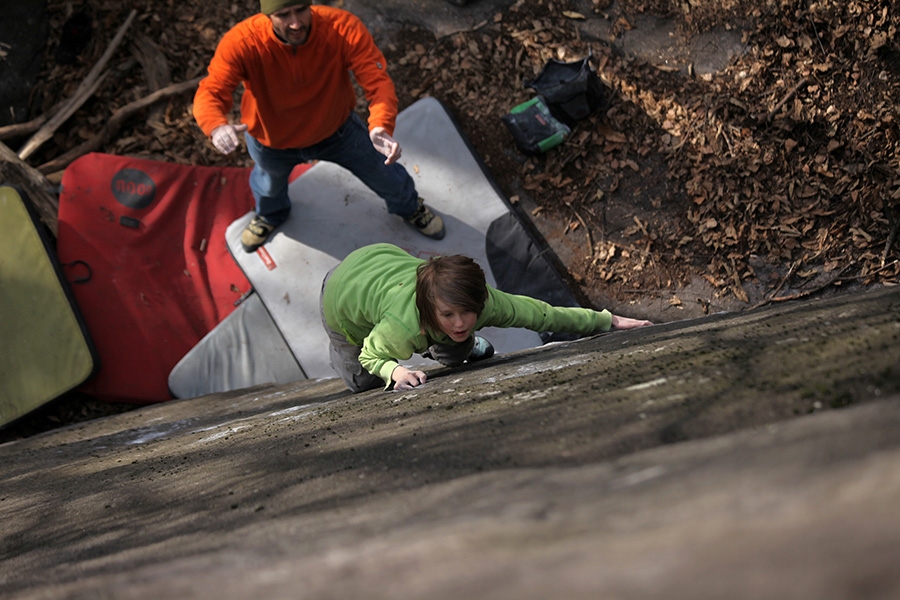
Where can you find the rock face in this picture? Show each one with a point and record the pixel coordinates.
(737, 456)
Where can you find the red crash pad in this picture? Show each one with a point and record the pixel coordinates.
(142, 244)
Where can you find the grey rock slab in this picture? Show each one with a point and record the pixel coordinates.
(739, 455)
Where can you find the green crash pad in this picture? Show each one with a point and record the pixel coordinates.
(46, 350)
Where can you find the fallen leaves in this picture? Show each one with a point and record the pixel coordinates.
(814, 140)
(791, 154)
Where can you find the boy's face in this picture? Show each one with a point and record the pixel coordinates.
(291, 24)
(457, 323)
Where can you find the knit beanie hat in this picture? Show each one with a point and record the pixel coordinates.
(267, 7)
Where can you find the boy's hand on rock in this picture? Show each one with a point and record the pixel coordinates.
(626, 323)
(404, 379)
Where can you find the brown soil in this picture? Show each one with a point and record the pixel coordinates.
(776, 178)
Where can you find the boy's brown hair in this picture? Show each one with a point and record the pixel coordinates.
(456, 280)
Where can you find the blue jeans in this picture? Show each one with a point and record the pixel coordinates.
(349, 147)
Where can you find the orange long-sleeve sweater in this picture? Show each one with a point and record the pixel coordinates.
(296, 96)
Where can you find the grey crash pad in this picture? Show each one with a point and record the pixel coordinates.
(334, 213)
(244, 350)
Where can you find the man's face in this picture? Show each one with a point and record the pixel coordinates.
(291, 24)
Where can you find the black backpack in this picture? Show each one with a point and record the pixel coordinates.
(571, 90)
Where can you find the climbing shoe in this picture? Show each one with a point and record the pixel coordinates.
(255, 234)
(426, 222)
(481, 350)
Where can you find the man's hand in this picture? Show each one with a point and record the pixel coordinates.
(404, 379)
(626, 323)
(225, 137)
(385, 144)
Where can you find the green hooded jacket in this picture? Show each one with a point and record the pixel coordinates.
(371, 300)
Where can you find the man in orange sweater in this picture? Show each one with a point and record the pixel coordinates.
(294, 61)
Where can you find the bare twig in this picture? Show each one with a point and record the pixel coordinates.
(780, 285)
(73, 104)
(818, 38)
(837, 279)
(787, 98)
(115, 123)
(799, 295)
(85, 90)
(587, 231)
(17, 129)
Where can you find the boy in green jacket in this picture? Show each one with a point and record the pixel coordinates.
(381, 305)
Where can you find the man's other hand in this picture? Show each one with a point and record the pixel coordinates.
(225, 137)
(385, 144)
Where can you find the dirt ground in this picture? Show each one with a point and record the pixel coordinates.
(775, 178)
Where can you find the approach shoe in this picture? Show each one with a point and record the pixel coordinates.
(426, 222)
(481, 350)
(255, 234)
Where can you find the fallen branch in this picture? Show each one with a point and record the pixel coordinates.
(787, 98)
(112, 126)
(85, 90)
(156, 72)
(798, 295)
(780, 285)
(837, 279)
(587, 231)
(19, 129)
(15, 171)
